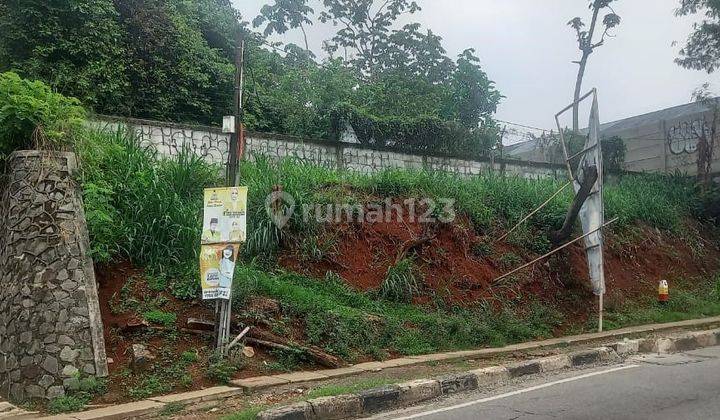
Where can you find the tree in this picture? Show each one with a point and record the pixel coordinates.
(706, 133)
(365, 28)
(587, 45)
(702, 48)
(284, 15)
(72, 45)
(474, 98)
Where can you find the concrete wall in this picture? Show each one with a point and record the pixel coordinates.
(665, 145)
(50, 325)
(210, 143)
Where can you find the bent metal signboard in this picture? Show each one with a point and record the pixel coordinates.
(224, 231)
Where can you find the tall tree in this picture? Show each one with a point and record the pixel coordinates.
(702, 48)
(587, 45)
(284, 15)
(365, 28)
(73, 45)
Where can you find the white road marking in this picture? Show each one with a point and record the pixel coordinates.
(518, 392)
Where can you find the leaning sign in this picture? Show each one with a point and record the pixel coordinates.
(224, 231)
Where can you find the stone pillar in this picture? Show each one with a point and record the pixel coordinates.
(50, 325)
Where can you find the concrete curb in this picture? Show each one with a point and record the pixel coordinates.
(263, 382)
(413, 392)
(409, 393)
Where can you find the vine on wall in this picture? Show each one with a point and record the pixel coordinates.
(422, 134)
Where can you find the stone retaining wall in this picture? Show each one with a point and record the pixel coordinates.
(211, 144)
(50, 326)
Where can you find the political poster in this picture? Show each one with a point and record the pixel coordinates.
(224, 229)
(225, 218)
(217, 266)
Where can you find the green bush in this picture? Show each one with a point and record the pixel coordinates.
(33, 116)
(149, 386)
(166, 319)
(401, 283)
(422, 134)
(144, 207)
(68, 403)
(220, 370)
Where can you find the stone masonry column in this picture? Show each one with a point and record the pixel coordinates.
(50, 325)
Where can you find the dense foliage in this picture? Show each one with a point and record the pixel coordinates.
(414, 134)
(702, 48)
(32, 116)
(174, 60)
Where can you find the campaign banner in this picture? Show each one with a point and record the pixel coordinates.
(217, 266)
(224, 229)
(225, 218)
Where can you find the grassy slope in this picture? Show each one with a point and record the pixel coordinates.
(148, 210)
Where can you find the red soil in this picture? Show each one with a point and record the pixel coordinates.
(122, 328)
(364, 252)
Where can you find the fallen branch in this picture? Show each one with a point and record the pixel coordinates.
(237, 339)
(264, 338)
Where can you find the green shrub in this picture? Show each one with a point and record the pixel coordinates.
(189, 356)
(33, 116)
(401, 283)
(421, 134)
(221, 370)
(144, 207)
(149, 386)
(167, 319)
(68, 403)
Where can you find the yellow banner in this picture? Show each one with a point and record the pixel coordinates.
(217, 266)
(225, 215)
(224, 229)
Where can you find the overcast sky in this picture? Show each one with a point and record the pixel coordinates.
(526, 47)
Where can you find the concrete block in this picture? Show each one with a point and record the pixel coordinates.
(626, 347)
(491, 375)
(338, 407)
(122, 411)
(530, 367)
(421, 390)
(554, 363)
(259, 382)
(647, 345)
(664, 345)
(706, 338)
(458, 383)
(209, 394)
(342, 372)
(302, 377)
(685, 343)
(585, 357)
(298, 411)
(380, 399)
(607, 354)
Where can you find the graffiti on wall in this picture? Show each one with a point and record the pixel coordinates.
(683, 137)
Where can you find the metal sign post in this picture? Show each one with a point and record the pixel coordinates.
(592, 213)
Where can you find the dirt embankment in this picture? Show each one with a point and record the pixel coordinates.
(457, 264)
(461, 265)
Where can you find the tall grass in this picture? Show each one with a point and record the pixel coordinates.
(141, 206)
(148, 208)
(351, 324)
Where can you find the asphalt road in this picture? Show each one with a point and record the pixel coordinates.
(658, 387)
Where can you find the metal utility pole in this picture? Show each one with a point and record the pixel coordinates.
(237, 139)
(236, 152)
